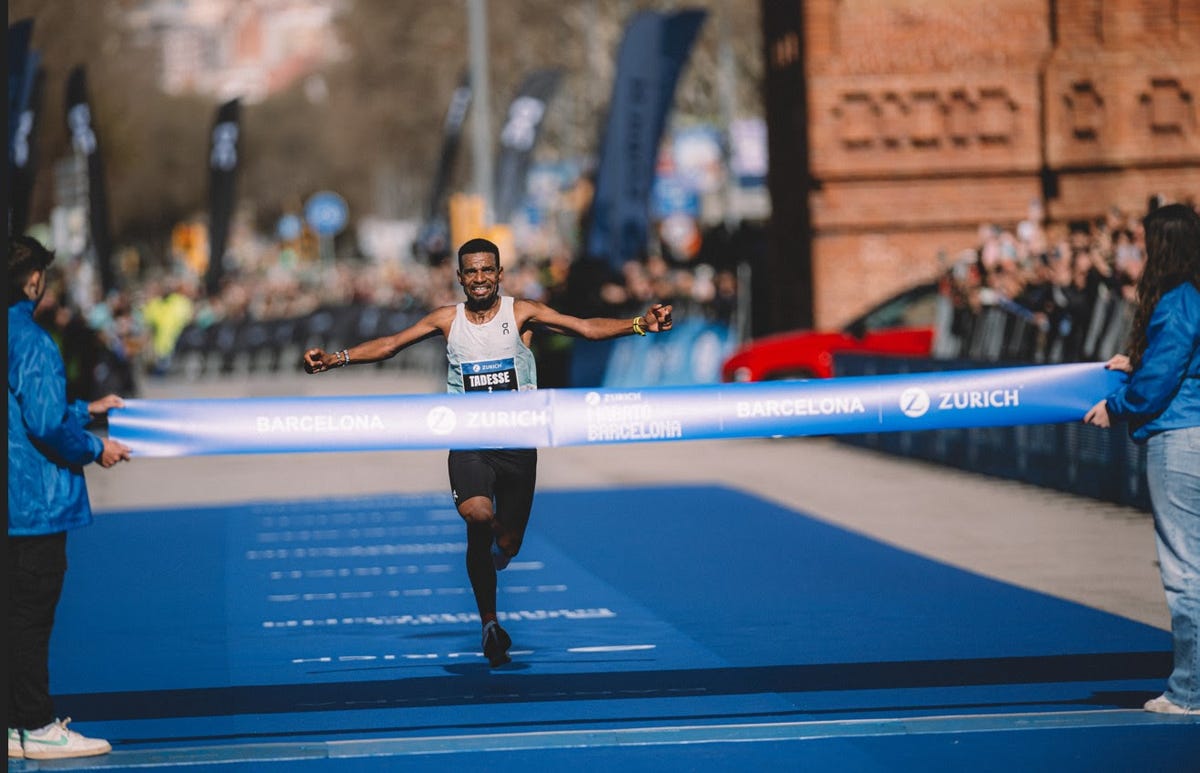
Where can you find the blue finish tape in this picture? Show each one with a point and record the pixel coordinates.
(561, 417)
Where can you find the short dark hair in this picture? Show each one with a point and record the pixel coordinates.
(25, 255)
(472, 246)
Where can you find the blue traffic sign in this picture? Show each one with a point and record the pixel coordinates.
(326, 212)
(289, 228)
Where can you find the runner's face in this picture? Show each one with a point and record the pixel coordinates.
(479, 276)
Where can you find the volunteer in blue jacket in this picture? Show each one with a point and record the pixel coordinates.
(1161, 402)
(47, 495)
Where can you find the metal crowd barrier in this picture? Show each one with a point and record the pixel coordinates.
(232, 347)
(1074, 458)
(1006, 332)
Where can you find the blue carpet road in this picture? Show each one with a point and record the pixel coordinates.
(677, 628)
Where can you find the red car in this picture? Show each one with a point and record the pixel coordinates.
(901, 325)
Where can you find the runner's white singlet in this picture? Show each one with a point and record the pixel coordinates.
(490, 357)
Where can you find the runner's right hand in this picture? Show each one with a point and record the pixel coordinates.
(314, 361)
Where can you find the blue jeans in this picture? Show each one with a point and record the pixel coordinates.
(1173, 474)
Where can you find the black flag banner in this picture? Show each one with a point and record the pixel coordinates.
(18, 73)
(435, 234)
(24, 159)
(653, 52)
(222, 166)
(87, 144)
(24, 98)
(518, 137)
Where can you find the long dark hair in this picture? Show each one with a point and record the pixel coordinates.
(25, 255)
(1172, 258)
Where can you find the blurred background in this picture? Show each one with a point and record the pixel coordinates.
(822, 188)
(226, 183)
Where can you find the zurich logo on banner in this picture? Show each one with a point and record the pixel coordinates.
(441, 420)
(914, 402)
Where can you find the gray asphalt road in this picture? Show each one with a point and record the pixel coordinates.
(1096, 554)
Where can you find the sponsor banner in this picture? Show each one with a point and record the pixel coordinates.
(652, 54)
(671, 195)
(518, 137)
(456, 114)
(698, 158)
(23, 160)
(691, 354)
(562, 417)
(748, 152)
(433, 239)
(917, 401)
(86, 143)
(595, 416)
(222, 183)
(297, 425)
(19, 72)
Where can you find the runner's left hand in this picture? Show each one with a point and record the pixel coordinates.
(658, 318)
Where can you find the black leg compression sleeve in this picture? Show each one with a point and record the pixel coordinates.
(480, 568)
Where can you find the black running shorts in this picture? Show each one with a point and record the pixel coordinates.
(505, 476)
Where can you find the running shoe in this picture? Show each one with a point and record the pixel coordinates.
(15, 751)
(56, 742)
(495, 644)
(1164, 705)
(500, 559)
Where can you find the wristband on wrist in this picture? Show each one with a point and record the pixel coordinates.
(638, 326)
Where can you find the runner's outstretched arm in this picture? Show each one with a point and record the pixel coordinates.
(657, 319)
(317, 360)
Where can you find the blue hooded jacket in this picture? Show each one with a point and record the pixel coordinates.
(47, 442)
(1164, 392)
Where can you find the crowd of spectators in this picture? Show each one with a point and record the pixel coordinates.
(1044, 294)
(1032, 293)
(141, 330)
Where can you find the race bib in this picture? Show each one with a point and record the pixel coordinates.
(490, 376)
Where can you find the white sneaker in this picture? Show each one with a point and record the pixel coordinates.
(1164, 705)
(15, 752)
(56, 742)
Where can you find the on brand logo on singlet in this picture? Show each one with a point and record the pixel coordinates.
(490, 376)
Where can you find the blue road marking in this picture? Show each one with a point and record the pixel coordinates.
(639, 617)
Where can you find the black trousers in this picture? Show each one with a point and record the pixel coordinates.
(36, 567)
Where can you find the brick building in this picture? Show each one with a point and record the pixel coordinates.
(897, 127)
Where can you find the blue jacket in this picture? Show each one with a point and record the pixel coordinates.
(47, 442)
(1164, 392)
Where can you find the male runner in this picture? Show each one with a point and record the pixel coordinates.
(487, 345)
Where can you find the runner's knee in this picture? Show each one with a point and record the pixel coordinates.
(476, 510)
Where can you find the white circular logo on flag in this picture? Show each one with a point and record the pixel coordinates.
(441, 420)
(592, 398)
(914, 402)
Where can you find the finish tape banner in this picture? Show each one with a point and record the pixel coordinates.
(571, 417)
